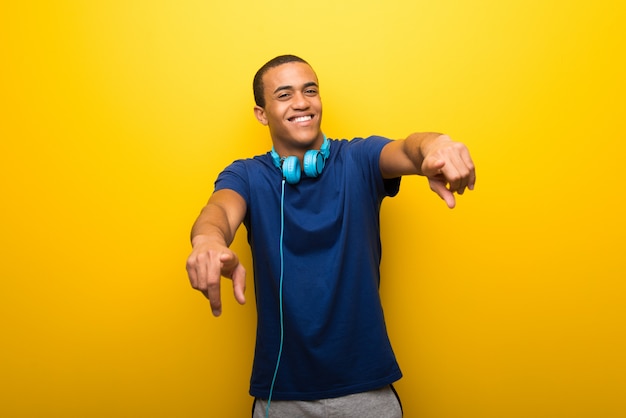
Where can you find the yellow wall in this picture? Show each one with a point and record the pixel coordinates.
(116, 116)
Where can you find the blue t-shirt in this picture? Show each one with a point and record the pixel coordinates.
(335, 338)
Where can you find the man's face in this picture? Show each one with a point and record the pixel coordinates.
(293, 108)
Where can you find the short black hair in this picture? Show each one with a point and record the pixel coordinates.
(257, 84)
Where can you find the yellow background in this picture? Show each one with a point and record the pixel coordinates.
(117, 116)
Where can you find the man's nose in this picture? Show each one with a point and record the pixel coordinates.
(300, 101)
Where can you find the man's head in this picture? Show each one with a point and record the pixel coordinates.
(257, 84)
(287, 95)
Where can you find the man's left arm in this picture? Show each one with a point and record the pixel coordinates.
(446, 163)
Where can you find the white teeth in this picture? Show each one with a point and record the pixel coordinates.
(302, 118)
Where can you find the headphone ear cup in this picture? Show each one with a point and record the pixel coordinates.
(313, 163)
(291, 170)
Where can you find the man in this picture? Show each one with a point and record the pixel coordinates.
(311, 209)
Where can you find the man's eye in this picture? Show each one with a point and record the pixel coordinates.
(311, 92)
(283, 95)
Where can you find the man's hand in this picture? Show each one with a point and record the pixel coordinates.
(449, 168)
(206, 264)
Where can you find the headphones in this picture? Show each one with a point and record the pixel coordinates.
(314, 162)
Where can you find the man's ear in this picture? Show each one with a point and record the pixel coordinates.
(259, 112)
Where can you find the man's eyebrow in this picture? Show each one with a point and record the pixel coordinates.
(306, 85)
(283, 88)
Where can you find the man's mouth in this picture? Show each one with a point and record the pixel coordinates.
(301, 118)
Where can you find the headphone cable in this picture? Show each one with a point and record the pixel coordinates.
(280, 297)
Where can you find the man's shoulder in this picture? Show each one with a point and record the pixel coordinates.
(361, 140)
(255, 162)
(361, 145)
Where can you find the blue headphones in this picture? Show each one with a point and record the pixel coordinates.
(314, 162)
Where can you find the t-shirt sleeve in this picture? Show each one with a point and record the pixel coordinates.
(368, 151)
(235, 177)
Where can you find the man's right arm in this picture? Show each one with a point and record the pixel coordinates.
(210, 259)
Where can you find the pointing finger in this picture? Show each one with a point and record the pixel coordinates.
(439, 187)
(213, 289)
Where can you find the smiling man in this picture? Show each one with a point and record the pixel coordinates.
(292, 109)
(311, 208)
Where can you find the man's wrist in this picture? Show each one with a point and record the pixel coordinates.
(201, 239)
(432, 139)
